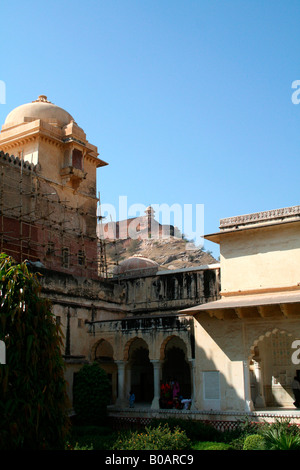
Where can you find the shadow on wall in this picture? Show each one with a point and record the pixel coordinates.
(212, 391)
(268, 350)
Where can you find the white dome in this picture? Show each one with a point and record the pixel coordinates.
(136, 264)
(39, 109)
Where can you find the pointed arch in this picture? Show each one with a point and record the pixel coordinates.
(176, 340)
(102, 350)
(130, 343)
(139, 369)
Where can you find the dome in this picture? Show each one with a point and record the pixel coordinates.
(136, 265)
(39, 109)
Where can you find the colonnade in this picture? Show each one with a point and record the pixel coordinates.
(124, 382)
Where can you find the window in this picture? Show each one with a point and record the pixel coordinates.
(65, 257)
(81, 258)
(50, 248)
(77, 159)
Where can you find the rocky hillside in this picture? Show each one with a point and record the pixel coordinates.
(169, 254)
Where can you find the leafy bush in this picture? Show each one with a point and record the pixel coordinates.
(283, 425)
(33, 397)
(77, 446)
(281, 435)
(195, 430)
(277, 439)
(91, 394)
(254, 442)
(245, 428)
(154, 438)
(97, 437)
(211, 446)
(248, 427)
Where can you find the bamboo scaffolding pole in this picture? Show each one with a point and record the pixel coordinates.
(26, 214)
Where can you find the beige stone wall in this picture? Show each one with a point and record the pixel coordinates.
(219, 348)
(266, 258)
(230, 347)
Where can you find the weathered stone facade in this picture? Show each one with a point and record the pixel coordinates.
(108, 321)
(227, 340)
(255, 323)
(48, 197)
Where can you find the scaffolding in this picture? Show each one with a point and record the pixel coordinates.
(37, 226)
(102, 264)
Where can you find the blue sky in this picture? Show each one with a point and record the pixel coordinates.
(189, 101)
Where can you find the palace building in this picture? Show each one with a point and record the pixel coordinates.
(224, 331)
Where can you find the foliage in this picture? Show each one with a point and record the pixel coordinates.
(33, 399)
(154, 438)
(248, 435)
(281, 435)
(279, 439)
(282, 425)
(254, 442)
(91, 394)
(77, 446)
(195, 430)
(245, 428)
(97, 437)
(211, 446)
(248, 427)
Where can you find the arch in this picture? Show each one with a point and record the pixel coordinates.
(103, 353)
(139, 369)
(272, 369)
(167, 341)
(129, 344)
(175, 365)
(266, 334)
(102, 350)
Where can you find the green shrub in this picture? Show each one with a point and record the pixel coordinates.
(211, 446)
(97, 437)
(281, 435)
(279, 439)
(77, 446)
(91, 395)
(154, 438)
(195, 430)
(282, 425)
(237, 437)
(254, 442)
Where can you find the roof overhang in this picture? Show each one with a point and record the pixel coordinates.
(284, 304)
(218, 236)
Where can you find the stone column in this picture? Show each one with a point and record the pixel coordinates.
(260, 399)
(247, 391)
(156, 376)
(127, 386)
(193, 384)
(121, 400)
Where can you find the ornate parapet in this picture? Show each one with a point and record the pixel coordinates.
(270, 216)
